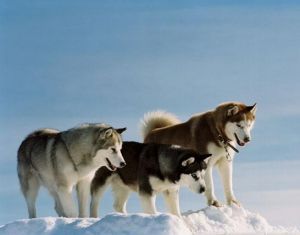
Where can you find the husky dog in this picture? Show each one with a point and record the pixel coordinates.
(61, 160)
(151, 168)
(217, 131)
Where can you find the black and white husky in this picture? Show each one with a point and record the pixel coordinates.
(150, 169)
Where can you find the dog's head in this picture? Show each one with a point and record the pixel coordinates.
(238, 121)
(192, 168)
(109, 142)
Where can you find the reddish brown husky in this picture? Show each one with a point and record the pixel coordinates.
(218, 132)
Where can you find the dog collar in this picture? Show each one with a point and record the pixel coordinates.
(226, 143)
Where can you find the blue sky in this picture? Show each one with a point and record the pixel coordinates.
(67, 62)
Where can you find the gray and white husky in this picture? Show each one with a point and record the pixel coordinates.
(150, 169)
(62, 160)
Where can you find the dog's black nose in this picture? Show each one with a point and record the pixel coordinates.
(247, 139)
(122, 164)
(202, 189)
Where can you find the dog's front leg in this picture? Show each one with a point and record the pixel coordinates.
(83, 192)
(172, 201)
(97, 192)
(225, 170)
(209, 192)
(121, 195)
(66, 201)
(148, 203)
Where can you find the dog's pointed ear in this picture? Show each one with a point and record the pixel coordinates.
(204, 156)
(252, 109)
(188, 161)
(233, 110)
(121, 130)
(106, 133)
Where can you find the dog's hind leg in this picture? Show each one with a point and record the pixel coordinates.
(172, 201)
(57, 207)
(121, 194)
(30, 186)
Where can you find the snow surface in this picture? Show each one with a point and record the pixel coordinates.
(210, 220)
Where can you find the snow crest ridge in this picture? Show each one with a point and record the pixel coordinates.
(210, 220)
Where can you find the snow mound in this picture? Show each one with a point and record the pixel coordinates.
(111, 224)
(231, 220)
(211, 220)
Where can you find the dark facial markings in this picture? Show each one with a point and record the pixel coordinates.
(238, 125)
(195, 177)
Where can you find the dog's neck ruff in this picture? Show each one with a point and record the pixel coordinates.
(226, 143)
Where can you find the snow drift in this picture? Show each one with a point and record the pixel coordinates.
(211, 220)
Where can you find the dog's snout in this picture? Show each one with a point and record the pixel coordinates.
(122, 164)
(202, 189)
(246, 139)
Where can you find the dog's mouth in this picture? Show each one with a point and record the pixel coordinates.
(110, 165)
(238, 140)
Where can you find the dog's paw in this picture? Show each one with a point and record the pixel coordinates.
(215, 203)
(234, 202)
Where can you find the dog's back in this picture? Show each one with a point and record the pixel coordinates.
(33, 143)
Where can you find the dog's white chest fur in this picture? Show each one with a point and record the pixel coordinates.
(218, 152)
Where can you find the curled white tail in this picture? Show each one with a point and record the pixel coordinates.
(157, 119)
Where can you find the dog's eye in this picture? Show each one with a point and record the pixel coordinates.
(195, 177)
(113, 150)
(238, 125)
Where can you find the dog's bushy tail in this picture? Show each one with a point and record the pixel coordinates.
(157, 119)
(41, 132)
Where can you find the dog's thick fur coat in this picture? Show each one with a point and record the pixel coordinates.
(150, 169)
(208, 132)
(61, 160)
